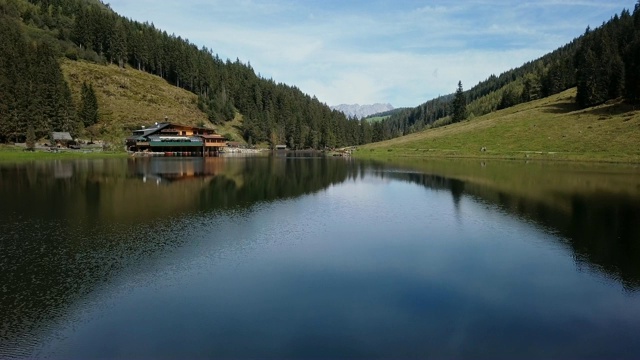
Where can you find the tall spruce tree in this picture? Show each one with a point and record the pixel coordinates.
(88, 105)
(52, 104)
(459, 105)
(12, 57)
(118, 43)
(31, 137)
(632, 60)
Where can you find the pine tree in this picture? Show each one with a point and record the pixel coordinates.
(88, 105)
(51, 103)
(31, 137)
(632, 67)
(632, 61)
(459, 105)
(118, 44)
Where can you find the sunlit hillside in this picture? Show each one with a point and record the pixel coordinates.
(549, 128)
(129, 98)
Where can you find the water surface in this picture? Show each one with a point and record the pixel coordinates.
(318, 257)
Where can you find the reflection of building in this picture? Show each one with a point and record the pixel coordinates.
(175, 140)
(62, 170)
(171, 170)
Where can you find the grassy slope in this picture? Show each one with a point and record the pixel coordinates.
(550, 128)
(131, 98)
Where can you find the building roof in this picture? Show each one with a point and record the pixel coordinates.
(151, 129)
(58, 135)
(213, 136)
(164, 127)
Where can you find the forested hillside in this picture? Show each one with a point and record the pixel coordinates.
(603, 64)
(36, 34)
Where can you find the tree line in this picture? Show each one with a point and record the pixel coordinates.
(608, 61)
(89, 30)
(34, 97)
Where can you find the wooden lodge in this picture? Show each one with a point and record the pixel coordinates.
(175, 140)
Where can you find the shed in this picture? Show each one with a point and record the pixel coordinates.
(62, 138)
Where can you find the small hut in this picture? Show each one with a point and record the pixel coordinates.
(62, 139)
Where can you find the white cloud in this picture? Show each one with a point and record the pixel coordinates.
(365, 52)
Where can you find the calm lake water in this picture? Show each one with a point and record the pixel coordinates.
(318, 258)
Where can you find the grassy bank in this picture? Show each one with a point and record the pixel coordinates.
(9, 153)
(551, 129)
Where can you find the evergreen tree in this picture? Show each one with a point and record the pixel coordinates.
(587, 63)
(52, 104)
(118, 43)
(31, 137)
(632, 60)
(531, 88)
(509, 98)
(632, 73)
(11, 57)
(88, 106)
(459, 105)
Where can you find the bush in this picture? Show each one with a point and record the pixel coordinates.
(71, 54)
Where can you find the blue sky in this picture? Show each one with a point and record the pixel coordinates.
(402, 52)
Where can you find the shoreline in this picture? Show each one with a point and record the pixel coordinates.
(12, 153)
(390, 154)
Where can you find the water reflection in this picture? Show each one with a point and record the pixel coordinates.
(601, 227)
(70, 227)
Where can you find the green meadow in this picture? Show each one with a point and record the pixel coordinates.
(552, 128)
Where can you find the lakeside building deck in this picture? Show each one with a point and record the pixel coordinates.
(175, 140)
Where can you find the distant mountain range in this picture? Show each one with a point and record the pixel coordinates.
(362, 111)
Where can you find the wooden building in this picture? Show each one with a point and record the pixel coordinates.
(175, 140)
(61, 139)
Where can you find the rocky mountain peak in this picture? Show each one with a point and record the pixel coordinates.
(361, 111)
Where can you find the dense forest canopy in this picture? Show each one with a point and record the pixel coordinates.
(35, 99)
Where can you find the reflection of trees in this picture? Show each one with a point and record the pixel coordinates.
(437, 182)
(602, 229)
(63, 236)
(265, 179)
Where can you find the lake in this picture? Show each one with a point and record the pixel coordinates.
(311, 257)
